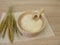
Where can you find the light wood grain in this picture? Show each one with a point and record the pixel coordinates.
(52, 11)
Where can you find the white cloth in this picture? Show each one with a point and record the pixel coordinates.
(47, 32)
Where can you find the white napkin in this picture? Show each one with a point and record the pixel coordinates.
(47, 32)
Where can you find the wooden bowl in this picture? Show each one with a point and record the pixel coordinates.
(27, 33)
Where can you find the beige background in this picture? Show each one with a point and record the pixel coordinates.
(52, 11)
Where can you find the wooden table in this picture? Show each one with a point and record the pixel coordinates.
(52, 11)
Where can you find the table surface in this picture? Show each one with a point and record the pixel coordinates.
(52, 12)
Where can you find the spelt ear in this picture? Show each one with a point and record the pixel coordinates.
(10, 34)
(10, 25)
(4, 31)
(2, 25)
